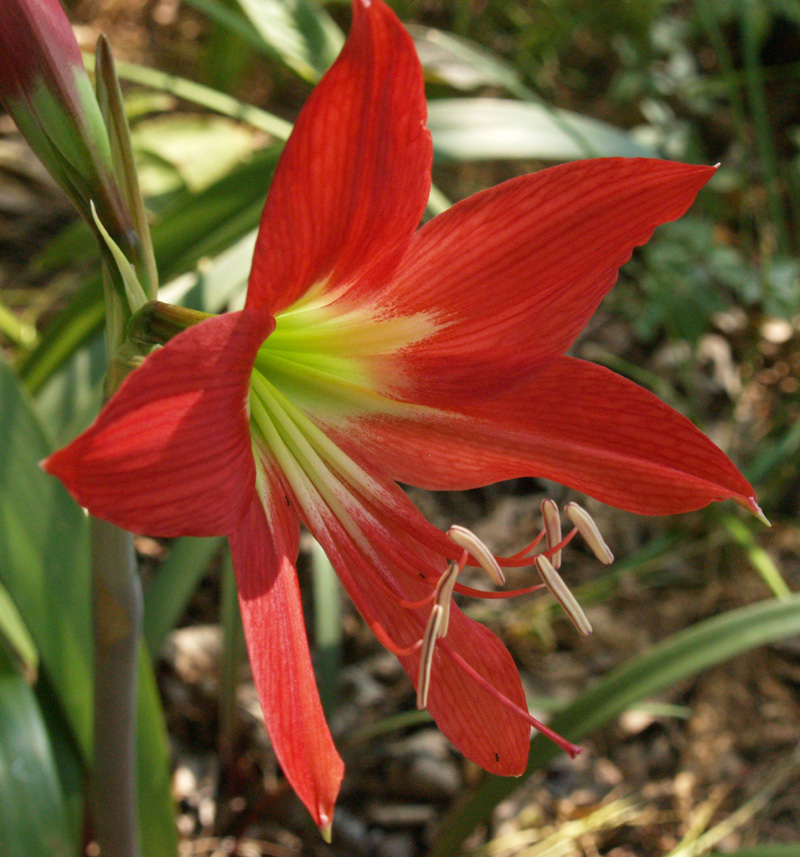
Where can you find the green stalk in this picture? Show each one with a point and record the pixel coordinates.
(116, 631)
(117, 618)
(234, 652)
(327, 626)
(756, 96)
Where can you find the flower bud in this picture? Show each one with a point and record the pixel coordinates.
(45, 88)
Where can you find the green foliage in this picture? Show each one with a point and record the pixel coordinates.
(690, 84)
(33, 818)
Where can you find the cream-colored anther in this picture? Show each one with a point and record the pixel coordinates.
(444, 592)
(584, 524)
(558, 589)
(426, 655)
(552, 528)
(466, 539)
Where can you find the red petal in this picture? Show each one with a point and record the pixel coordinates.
(511, 275)
(264, 550)
(575, 423)
(481, 727)
(170, 454)
(478, 724)
(353, 181)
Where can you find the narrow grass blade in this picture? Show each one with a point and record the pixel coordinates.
(761, 561)
(13, 630)
(327, 627)
(18, 331)
(234, 652)
(682, 655)
(166, 598)
(204, 96)
(157, 830)
(776, 849)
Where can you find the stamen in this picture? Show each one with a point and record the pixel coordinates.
(388, 643)
(588, 529)
(519, 560)
(512, 560)
(559, 591)
(567, 746)
(466, 539)
(426, 657)
(506, 593)
(552, 526)
(444, 593)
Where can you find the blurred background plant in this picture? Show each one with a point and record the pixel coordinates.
(687, 694)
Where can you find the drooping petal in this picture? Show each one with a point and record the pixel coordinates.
(575, 423)
(382, 565)
(264, 551)
(353, 181)
(478, 725)
(509, 277)
(170, 454)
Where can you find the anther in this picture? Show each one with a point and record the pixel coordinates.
(559, 591)
(552, 527)
(444, 593)
(467, 540)
(584, 524)
(426, 656)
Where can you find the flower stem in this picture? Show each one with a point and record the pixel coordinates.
(117, 619)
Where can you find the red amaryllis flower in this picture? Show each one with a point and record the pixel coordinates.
(369, 352)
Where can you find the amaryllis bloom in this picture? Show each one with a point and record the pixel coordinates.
(45, 88)
(370, 352)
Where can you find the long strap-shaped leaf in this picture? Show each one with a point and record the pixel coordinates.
(682, 655)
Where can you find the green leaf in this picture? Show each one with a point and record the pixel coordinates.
(205, 96)
(233, 655)
(166, 598)
(44, 564)
(33, 820)
(297, 32)
(18, 331)
(44, 558)
(197, 225)
(71, 767)
(464, 64)
(159, 835)
(300, 32)
(682, 655)
(470, 129)
(65, 335)
(72, 397)
(13, 629)
(232, 21)
(133, 288)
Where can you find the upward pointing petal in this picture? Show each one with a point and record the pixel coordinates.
(353, 180)
(510, 276)
(170, 454)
